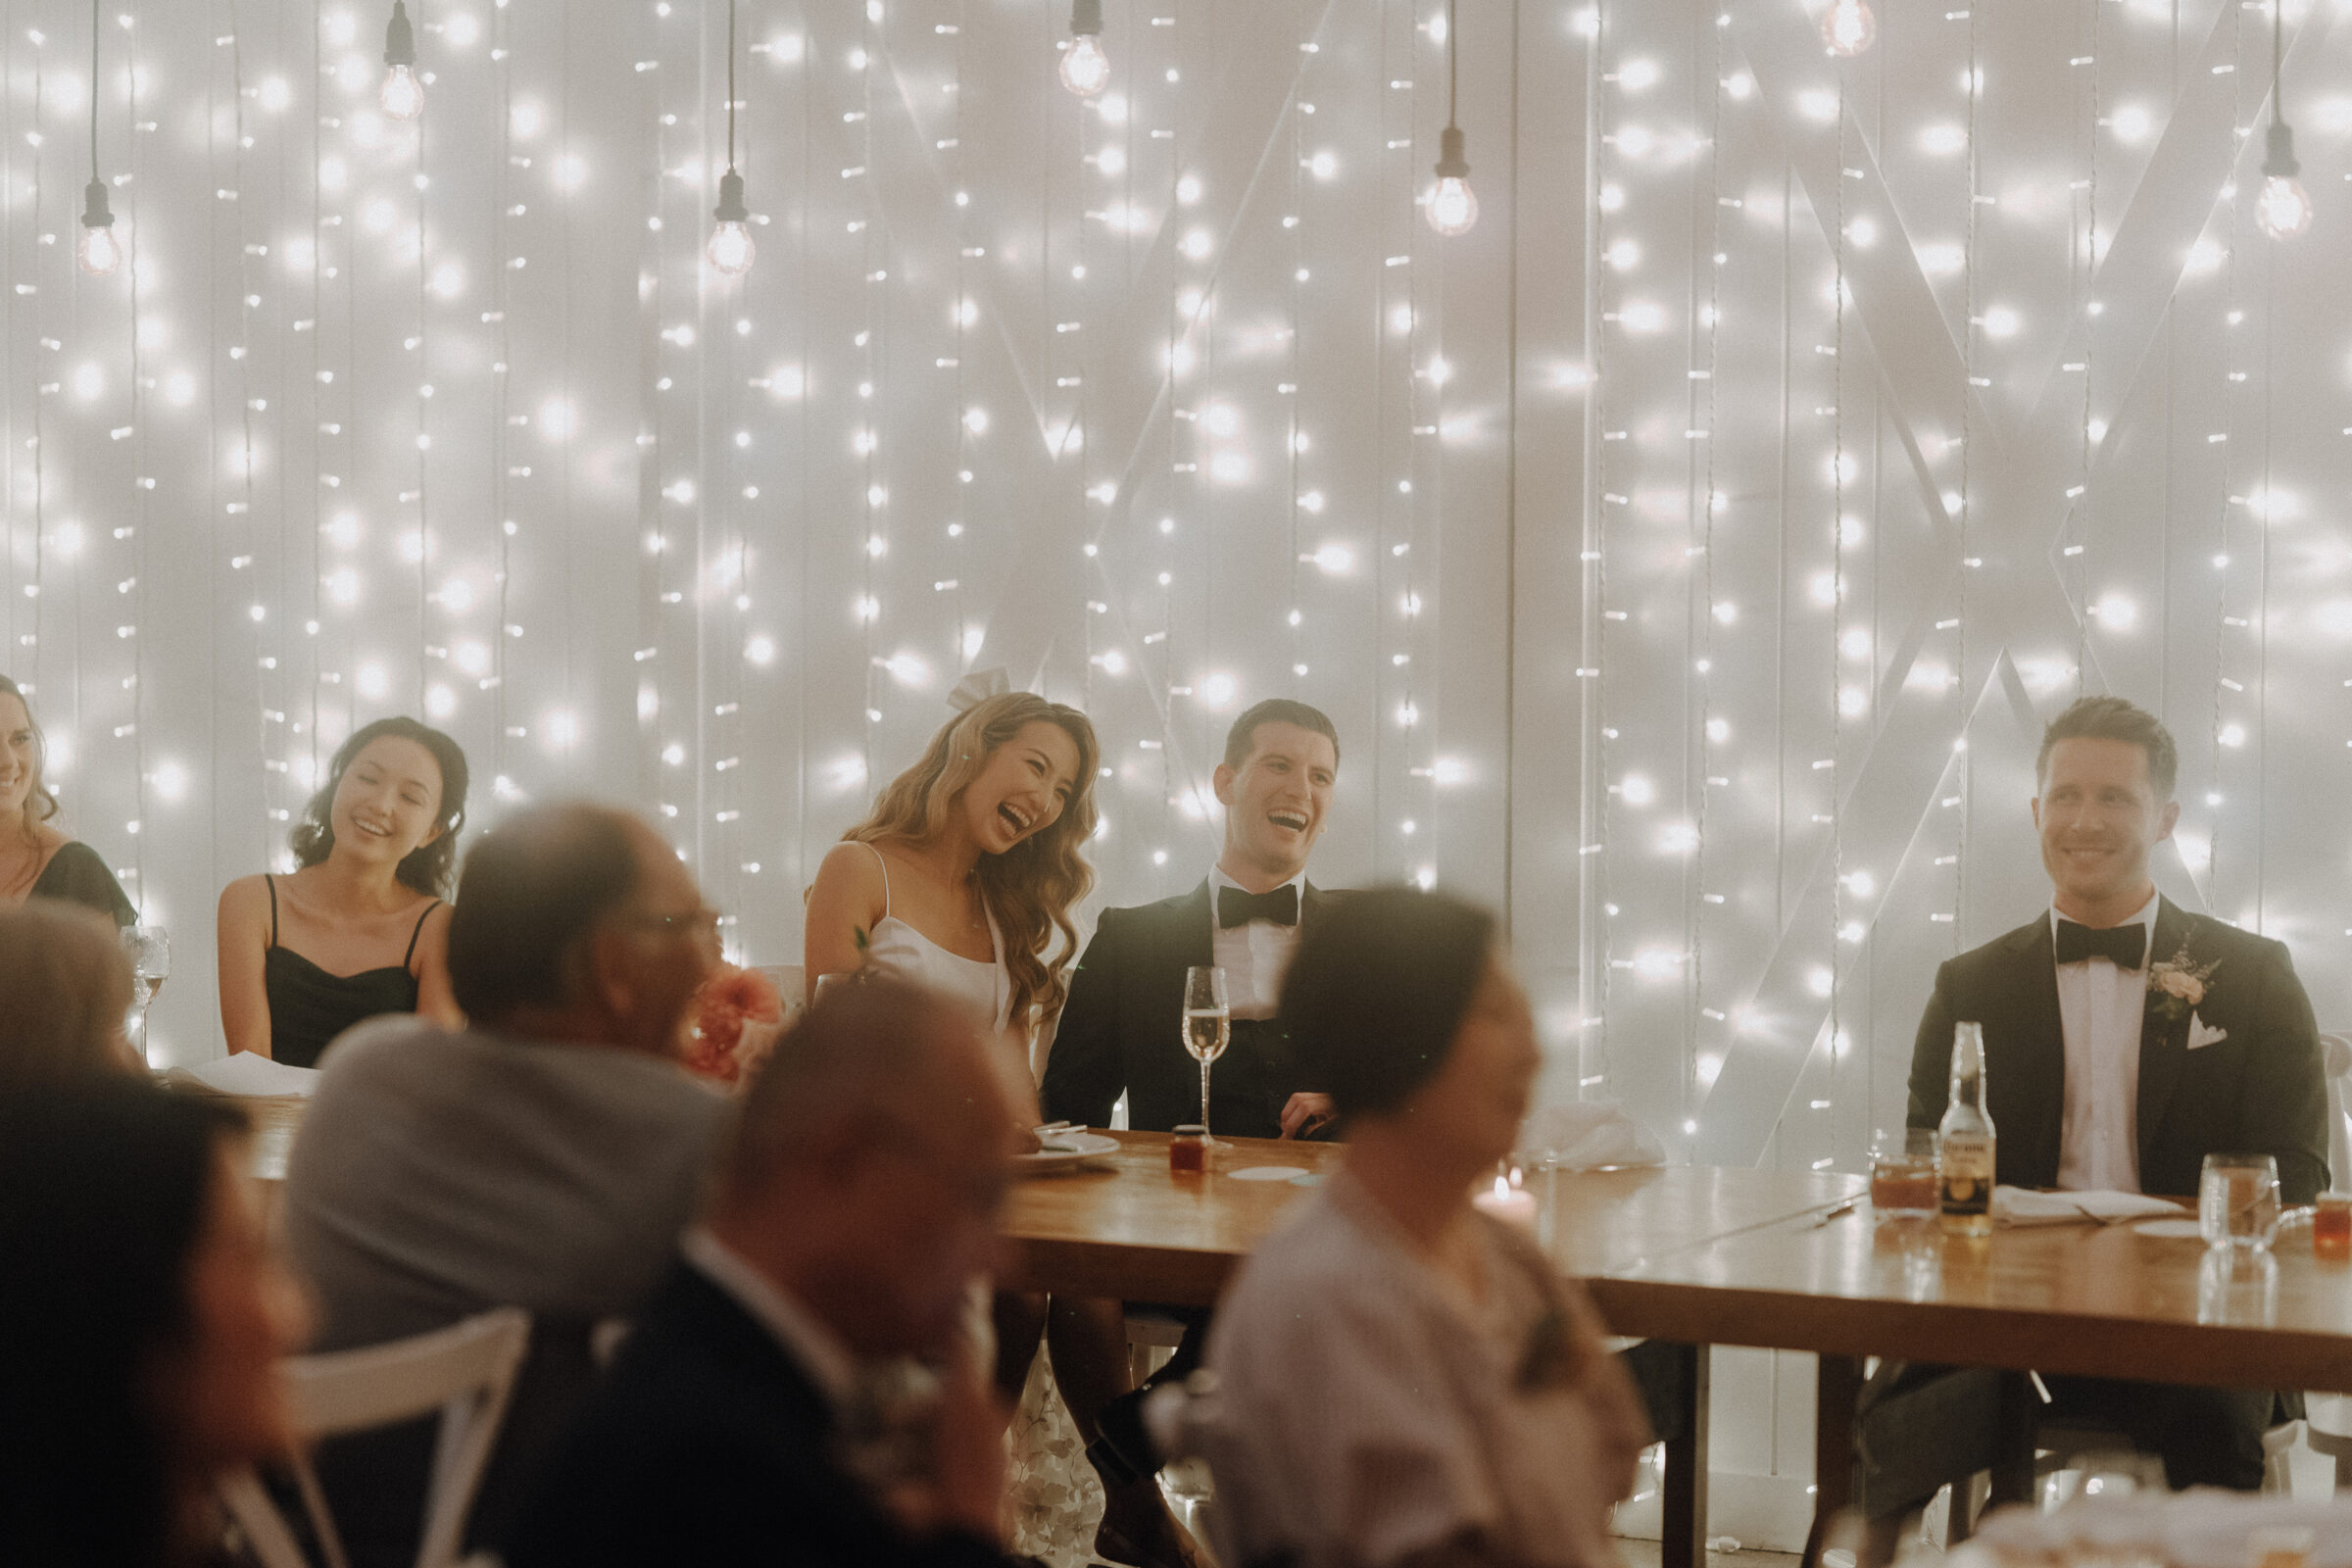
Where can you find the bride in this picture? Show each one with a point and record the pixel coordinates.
(968, 864)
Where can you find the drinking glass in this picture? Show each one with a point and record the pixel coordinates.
(2238, 1200)
(2331, 1226)
(149, 949)
(1902, 1175)
(1207, 1025)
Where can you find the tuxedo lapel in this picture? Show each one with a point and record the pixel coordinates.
(2026, 1062)
(1312, 908)
(1192, 942)
(2163, 1040)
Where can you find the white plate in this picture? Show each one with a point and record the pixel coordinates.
(2171, 1229)
(1270, 1174)
(1065, 1150)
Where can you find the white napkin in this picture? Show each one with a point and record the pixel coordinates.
(2200, 1529)
(2021, 1206)
(247, 1075)
(1587, 1133)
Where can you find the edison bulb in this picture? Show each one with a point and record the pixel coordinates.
(1085, 67)
(2284, 209)
(730, 252)
(403, 95)
(1848, 26)
(99, 253)
(1453, 206)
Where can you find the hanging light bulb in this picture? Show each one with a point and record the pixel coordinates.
(403, 95)
(2284, 209)
(100, 252)
(1085, 67)
(730, 252)
(1850, 28)
(1453, 205)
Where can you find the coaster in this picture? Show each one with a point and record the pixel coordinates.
(1269, 1173)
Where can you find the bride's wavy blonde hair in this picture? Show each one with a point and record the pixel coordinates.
(1032, 887)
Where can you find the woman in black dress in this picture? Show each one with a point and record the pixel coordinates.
(36, 860)
(361, 927)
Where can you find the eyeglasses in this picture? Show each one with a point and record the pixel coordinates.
(703, 921)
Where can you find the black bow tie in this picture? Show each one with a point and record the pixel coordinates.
(2124, 946)
(1238, 908)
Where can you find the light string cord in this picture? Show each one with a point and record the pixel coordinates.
(2090, 274)
(138, 483)
(1836, 602)
(1597, 930)
(1695, 928)
(1968, 460)
(2229, 400)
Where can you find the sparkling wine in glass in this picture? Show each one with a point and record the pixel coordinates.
(1207, 1024)
(149, 949)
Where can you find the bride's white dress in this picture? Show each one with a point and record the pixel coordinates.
(1055, 1498)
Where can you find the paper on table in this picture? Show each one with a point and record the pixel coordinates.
(2020, 1206)
(1584, 1134)
(248, 1075)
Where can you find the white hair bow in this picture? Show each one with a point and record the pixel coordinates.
(977, 688)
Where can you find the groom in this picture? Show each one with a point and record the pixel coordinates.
(2125, 1040)
(1121, 1031)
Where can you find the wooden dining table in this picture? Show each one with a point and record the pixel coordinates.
(1793, 1261)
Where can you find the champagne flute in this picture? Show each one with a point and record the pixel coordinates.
(1207, 1025)
(149, 949)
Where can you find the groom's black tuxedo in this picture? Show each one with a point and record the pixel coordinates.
(2261, 1089)
(1122, 1029)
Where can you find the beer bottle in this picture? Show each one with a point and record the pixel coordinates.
(1964, 1166)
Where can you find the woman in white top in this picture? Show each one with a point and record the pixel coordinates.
(968, 864)
(1402, 1380)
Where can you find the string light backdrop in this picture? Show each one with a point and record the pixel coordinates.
(1785, 419)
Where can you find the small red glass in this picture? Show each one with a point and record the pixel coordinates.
(2331, 1226)
(1188, 1154)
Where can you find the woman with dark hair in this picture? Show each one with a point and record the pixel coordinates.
(36, 860)
(141, 1327)
(1401, 1379)
(361, 926)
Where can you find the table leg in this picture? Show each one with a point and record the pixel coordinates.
(1683, 1541)
(1836, 1389)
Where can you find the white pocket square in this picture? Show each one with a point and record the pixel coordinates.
(2201, 1034)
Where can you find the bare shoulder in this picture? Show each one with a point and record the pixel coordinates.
(850, 875)
(244, 898)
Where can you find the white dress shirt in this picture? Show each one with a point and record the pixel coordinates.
(2099, 1006)
(812, 1346)
(1254, 956)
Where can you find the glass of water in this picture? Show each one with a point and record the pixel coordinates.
(149, 949)
(1207, 1025)
(2237, 1202)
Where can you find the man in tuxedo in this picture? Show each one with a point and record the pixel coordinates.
(1122, 1033)
(2125, 1040)
(857, 1202)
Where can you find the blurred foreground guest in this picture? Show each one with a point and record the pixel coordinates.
(859, 1198)
(1404, 1380)
(36, 860)
(67, 989)
(359, 928)
(546, 1158)
(140, 1326)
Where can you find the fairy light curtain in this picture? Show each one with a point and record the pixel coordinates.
(1785, 419)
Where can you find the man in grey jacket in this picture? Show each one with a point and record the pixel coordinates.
(548, 1157)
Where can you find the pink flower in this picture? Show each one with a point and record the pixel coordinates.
(727, 1002)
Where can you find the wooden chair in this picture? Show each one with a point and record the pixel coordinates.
(464, 1371)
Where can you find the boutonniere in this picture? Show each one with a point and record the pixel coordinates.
(2177, 987)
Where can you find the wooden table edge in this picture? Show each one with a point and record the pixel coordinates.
(1957, 1334)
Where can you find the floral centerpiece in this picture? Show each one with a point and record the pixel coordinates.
(719, 1042)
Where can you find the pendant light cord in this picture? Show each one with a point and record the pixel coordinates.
(2277, 59)
(731, 85)
(1454, 73)
(94, 22)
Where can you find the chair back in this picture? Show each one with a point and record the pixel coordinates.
(2336, 1050)
(466, 1371)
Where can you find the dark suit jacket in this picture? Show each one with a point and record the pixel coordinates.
(708, 1444)
(2260, 1091)
(1122, 1029)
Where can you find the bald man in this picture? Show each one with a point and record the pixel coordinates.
(859, 1198)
